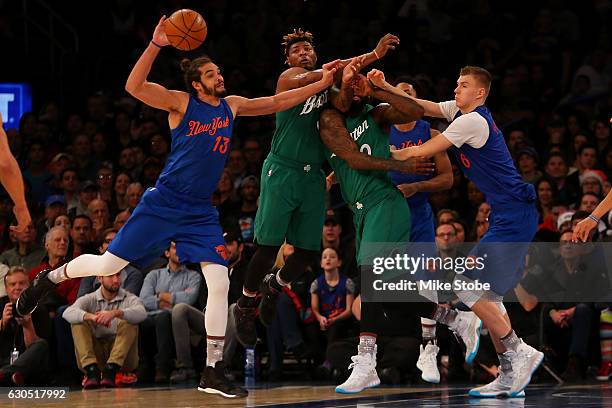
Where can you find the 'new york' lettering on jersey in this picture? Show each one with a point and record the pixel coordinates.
(200, 144)
(491, 168)
(296, 137)
(414, 137)
(355, 185)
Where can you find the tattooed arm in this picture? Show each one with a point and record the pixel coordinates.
(335, 136)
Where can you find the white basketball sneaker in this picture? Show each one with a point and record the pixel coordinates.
(363, 375)
(525, 361)
(428, 363)
(499, 387)
(468, 326)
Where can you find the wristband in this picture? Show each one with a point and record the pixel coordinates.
(376, 54)
(594, 218)
(156, 44)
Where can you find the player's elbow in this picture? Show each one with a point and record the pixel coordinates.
(7, 161)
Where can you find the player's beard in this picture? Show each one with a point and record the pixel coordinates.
(213, 91)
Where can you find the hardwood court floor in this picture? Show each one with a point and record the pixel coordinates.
(540, 396)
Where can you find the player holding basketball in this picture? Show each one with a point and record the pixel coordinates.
(179, 207)
(12, 180)
(292, 200)
(479, 147)
(416, 189)
(380, 212)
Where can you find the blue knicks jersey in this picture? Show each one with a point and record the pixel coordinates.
(491, 168)
(415, 137)
(200, 145)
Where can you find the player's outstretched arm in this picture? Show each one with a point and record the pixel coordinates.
(582, 229)
(441, 182)
(282, 101)
(151, 93)
(399, 108)
(387, 42)
(428, 149)
(12, 180)
(335, 136)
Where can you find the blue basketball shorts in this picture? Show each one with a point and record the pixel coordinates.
(505, 245)
(163, 216)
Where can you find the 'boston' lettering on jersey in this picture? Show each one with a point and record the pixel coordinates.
(315, 101)
(359, 130)
(195, 127)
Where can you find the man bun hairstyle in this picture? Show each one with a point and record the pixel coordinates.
(482, 75)
(191, 71)
(296, 36)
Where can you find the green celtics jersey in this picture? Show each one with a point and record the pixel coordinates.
(297, 132)
(357, 184)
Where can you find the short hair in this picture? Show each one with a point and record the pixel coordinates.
(336, 250)
(67, 169)
(84, 217)
(296, 36)
(58, 228)
(453, 213)
(191, 71)
(15, 269)
(586, 145)
(591, 194)
(556, 154)
(482, 75)
(418, 89)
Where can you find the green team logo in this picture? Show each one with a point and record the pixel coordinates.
(315, 101)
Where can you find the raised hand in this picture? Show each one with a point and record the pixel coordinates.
(159, 35)
(329, 69)
(361, 86)
(386, 43)
(352, 69)
(377, 78)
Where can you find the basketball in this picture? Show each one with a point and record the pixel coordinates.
(186, 29)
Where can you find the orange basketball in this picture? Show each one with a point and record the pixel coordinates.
(186, 29)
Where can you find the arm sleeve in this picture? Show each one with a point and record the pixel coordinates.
(190, 294)
(147, 293)
(449, 109)
(470, 128)
(133, 310)
(75, 312)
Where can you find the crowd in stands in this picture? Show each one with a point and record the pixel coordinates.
(86, 165)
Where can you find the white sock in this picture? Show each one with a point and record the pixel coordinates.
(88, 265)
(217, 281)
(214, 350)
(367, 344)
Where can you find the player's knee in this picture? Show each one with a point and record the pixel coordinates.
(218, 284)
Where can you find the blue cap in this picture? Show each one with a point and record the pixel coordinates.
(53, 199)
